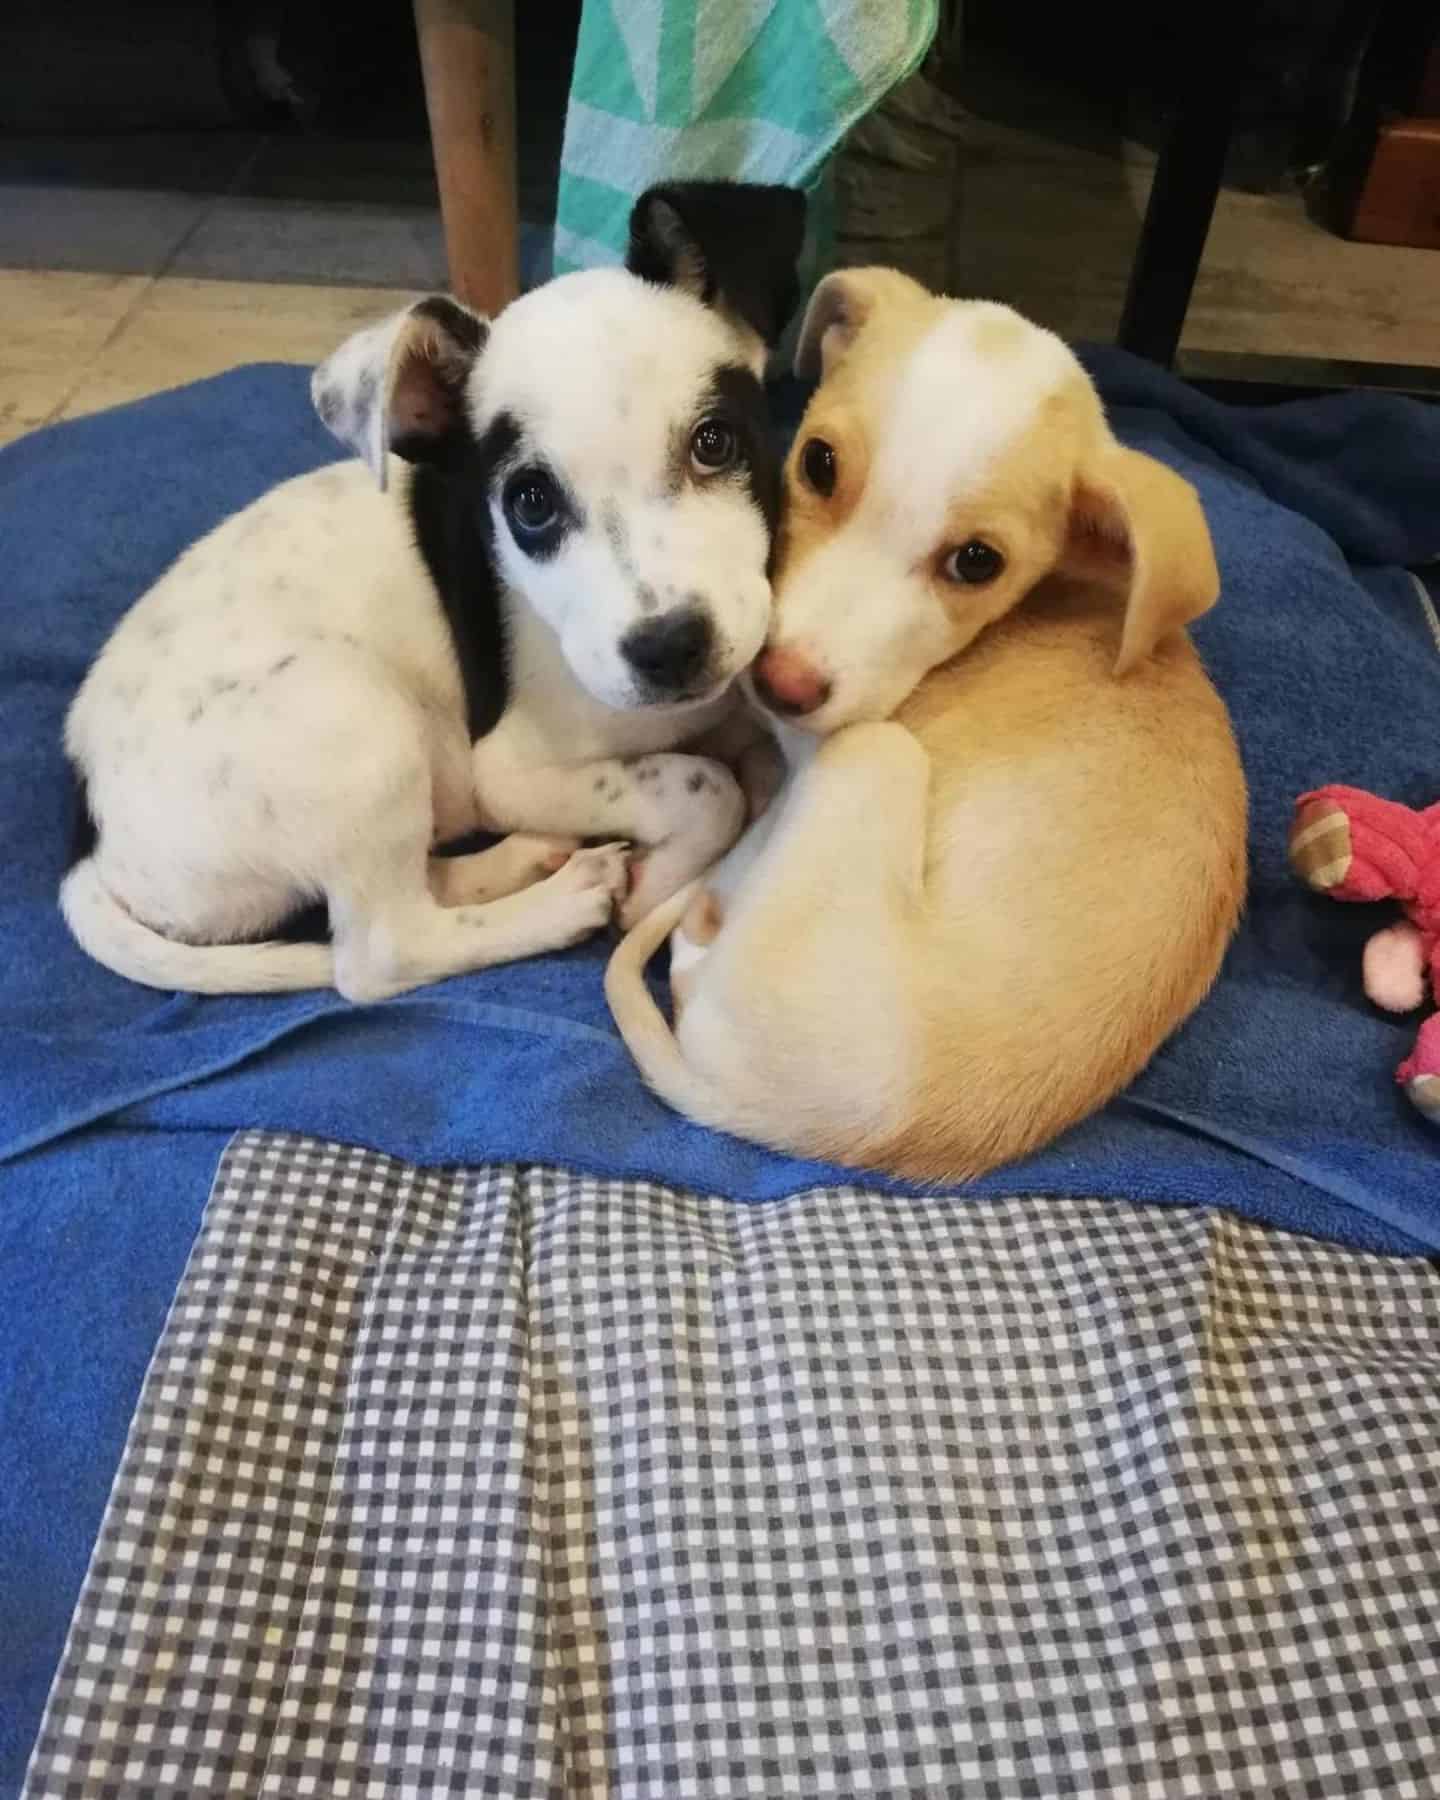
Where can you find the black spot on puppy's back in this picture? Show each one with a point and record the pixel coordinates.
(84, 834)
(450, 512)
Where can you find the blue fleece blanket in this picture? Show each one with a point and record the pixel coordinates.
(1276, 1101)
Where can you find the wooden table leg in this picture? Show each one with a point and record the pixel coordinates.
(467, 56)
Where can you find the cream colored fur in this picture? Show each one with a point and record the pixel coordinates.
(1010, 850)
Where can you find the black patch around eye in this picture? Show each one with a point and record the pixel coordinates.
(737, 397)
(531, 505)
(539, 510)
(713, 444)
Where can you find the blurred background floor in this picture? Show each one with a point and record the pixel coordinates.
(137, 259)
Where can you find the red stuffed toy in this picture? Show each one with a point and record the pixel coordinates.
(1353, 846)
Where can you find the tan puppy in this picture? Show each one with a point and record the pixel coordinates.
(957, 933)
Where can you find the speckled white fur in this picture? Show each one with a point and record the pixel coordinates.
(282, 718)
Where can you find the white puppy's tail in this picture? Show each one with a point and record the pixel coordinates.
(104, 929)
(647, 1036)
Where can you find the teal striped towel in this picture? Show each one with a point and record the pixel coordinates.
(744, 90)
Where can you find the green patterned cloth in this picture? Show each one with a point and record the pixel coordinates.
(749, 90)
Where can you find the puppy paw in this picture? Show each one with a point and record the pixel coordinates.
(583, 893)
(603, 866)
(517, 862)
(542, 856)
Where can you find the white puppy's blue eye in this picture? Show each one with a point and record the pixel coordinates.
(973, 563)
(713, 446)
(531, 503)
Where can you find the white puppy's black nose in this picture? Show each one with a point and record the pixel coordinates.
(669, 653)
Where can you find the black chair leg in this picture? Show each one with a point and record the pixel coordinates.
(1186, 186)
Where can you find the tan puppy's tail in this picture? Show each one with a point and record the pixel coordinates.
(647, 1036)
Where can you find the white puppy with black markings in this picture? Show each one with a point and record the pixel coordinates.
(537, 633)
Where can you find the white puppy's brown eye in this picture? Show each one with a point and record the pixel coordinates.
(531, 504)
(817, 464)
(973, 563)
(713, 445)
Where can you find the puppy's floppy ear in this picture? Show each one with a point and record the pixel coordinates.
(733, 244)
(1138, 528)
(400, 385)
(839, 308)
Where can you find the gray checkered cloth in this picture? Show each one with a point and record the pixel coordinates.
(501, 1481)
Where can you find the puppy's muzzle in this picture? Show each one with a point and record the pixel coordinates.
(787, 683)
(670, 653)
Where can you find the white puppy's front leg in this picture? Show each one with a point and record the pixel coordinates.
(388, 941)
(682, 812)
(746, 744)
(516, 862)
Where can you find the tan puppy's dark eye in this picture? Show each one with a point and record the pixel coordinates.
(973, 563)
(817, 464)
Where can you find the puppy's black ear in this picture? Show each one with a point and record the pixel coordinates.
(400, 385)
(732, 244)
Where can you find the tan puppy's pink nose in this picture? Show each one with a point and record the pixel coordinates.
(785, 681)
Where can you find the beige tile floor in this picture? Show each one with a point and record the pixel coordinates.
(1051, 229)
(73, 343)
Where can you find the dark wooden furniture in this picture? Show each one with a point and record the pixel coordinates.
(1397, 201)
(1178, 216)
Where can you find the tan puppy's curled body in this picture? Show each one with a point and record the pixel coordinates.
(1009, 852)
